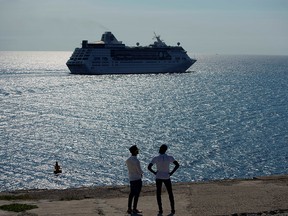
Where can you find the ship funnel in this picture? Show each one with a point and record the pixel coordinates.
(109, 38)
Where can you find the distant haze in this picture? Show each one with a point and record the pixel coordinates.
(201, 26)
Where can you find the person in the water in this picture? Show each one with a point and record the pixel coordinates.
(57, 168)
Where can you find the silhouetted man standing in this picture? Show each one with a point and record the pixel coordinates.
(135, 177)
(163, 174)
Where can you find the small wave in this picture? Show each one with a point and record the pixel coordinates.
(3, 92)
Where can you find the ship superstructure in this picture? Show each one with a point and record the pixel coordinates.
(110, 56)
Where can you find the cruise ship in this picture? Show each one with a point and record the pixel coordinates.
(110, 56)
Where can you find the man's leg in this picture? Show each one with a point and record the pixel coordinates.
(158, 194)
(138, 186)
(132, 194)
(168, 185)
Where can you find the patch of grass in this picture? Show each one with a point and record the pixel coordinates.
(16, 207)
(17, 197)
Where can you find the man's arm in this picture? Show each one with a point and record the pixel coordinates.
(150, 168)
(175, 167)
(139, 168)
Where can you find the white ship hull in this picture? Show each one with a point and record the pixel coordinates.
(130, 68)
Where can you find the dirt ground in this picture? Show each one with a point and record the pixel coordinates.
(258, 196)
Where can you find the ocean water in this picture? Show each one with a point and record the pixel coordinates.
(226, 118)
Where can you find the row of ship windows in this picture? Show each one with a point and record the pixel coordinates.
(86, 58)
(105, 59)
(80, 55)
(115, 63)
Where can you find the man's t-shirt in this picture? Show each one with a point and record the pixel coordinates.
(162, 162)
(134, 168)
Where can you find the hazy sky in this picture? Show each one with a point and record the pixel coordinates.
(202, 26)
